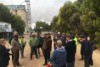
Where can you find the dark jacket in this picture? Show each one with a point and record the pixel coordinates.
(40, 41)
(4, 56)
(47, 44)
(71, 50)
(63, 40)
(87, 48)
(59, 57)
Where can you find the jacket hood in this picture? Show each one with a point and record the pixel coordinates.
(62, 49)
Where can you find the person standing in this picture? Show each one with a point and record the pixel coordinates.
(59, 55)
(63, 38)
(22, 44)
(71, 51)
(40, 43)
(33, 46)
(4, 54)
(47, 48)
(81, 51)
(15, 50)
(76, 40)
(87, 47)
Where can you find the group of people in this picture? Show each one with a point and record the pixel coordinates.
(65, 47)
(64, 53)
(44, 42)
(17, 46)
(65, 50)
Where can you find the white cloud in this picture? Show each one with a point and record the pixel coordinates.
(41, 9)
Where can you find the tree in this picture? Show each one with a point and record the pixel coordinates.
(41, 26)
(19, 24)
(16, 21)
(4, 14)
(90, 13)
(75, 22)
(90, 18)
(82, 15)
(66, 12)
(54, 26)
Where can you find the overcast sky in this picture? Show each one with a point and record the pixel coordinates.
(43, 10)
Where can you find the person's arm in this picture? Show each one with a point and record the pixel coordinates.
(53, 57)
(30, 42)
(25, 41)
(90, 48)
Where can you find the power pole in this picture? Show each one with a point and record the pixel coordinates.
(28, 13)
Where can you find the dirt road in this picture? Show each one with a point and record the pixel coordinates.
(38, 62)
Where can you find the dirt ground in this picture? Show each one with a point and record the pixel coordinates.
(39, 62)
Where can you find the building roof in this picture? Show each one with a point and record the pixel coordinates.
(16, 7)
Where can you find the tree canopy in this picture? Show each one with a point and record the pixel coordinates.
(16, 21)
(80, 16)
(41, 26)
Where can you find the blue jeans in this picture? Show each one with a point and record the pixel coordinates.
(71, 64)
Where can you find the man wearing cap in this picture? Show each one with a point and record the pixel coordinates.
(87, 50)
(15, 50)
(33, 46)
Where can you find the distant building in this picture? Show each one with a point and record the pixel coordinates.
(21, 11)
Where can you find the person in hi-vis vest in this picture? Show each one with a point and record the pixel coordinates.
(22, 44)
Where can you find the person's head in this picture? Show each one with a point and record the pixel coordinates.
(38, 35)
(19, 36)
(88, 38)
(2, 41)
(58, 34)
(69, 37)
(82, 38)
(15, 34)
(33, 35)
(23, 37)
(63, 34)
(47, 35)
(59, 43)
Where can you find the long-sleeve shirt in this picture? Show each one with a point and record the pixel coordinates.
(71, 50)
(32, 42)
(15, 44)
(87, 48)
